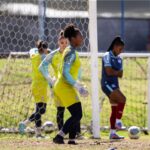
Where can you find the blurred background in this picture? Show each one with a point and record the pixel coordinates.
(128, 18)
(22, 22)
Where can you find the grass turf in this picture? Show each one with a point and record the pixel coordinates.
(16, 100)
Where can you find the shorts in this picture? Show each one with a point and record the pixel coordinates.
(108, 88)
(39, 92)
(65, 94)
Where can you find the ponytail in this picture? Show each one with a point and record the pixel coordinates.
(71, 31)
(41, 45)
(116, 41)
(61, 35)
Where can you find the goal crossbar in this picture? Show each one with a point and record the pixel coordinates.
(88, 54)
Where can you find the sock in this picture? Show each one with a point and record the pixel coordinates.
(38, 131)
(61, 133)
(118, 120)
(113, 116)
(112, 131)
(26, 122)
(120, 110)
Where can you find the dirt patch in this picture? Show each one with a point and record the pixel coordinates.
(82, 145)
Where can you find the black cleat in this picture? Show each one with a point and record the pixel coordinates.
(72, 143)
(58, 139)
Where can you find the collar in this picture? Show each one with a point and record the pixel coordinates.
(72, 48)
(112, 54)
(43, 56)
(58, 49)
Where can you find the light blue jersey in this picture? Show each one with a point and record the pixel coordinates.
(110, 83)
(115, 62)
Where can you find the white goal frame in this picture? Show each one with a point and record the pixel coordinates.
(93, 55)
(96, 114)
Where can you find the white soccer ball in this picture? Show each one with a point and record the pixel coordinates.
(48, 126)
(134, 132)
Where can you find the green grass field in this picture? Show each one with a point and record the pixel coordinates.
(16, 100)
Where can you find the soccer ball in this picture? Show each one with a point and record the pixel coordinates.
(48, 126)
(134, 132)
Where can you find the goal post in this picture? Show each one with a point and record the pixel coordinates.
(148, 95)
(42, 11)
(94, 68)
(135, 86)
(20, 27)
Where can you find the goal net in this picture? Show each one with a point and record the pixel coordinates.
(24, 22)
(135, 86)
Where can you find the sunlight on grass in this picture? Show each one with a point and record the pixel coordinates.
(16, 100)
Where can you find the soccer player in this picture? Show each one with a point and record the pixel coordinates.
(54, 58)
(112, 69)
(66, 86)
(39, 89)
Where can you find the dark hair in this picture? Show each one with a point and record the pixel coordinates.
(117, 41)
(71, 31)
(41, 45)
(61, 35)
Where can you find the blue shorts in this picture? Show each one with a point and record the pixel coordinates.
(108, 88)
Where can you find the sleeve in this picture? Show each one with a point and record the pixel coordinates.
(106, 60)
(80, 74)
(33, 51)
(121, 64)
(68, 61)
(44, 67)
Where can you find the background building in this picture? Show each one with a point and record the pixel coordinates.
(19, 23)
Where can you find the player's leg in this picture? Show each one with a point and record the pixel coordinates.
(78, 128)
(60, 117)
(75, 128)
(78, 134)
(40, 110)
(116, 98)
(120, 99)
(121, 106)
(108, 90)
(72, 134)
(70, 124)
(25, 123)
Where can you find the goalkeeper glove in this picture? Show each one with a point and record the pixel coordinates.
(81, 89)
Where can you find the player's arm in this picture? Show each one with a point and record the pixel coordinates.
(121, 68)
(108, 67)
(68, 61)
(111, 72)
(79, 74)
(33, 52)
(43, 68)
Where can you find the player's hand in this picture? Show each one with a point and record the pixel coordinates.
(81, 89)
(120, 73)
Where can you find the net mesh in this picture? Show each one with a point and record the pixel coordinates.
(134, 86)
(19, 29)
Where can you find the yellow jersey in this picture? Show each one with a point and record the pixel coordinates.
(56, 62)
(69, 71)
(39, 84)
